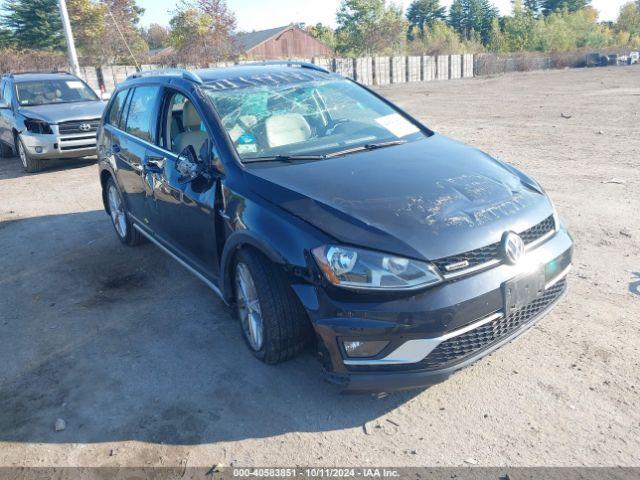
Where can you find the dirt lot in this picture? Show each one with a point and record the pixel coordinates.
(147, 367)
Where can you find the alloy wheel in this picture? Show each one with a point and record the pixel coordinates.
(249, 309)
(117, 212)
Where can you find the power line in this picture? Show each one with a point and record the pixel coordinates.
(124, 40)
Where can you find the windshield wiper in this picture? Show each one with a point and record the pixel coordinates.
(283, 158)
(366, 146)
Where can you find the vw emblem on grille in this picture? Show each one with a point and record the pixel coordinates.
(85, 127)
(512, 247)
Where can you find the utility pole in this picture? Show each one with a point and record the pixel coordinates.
(68, 34)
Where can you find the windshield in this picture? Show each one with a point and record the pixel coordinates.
(45, 92)
(277, 116)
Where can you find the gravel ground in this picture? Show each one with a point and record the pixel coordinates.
(146, 366)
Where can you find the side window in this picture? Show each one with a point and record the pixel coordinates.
(183, 125)
(140, 117)
(116, 107)
(6, 92)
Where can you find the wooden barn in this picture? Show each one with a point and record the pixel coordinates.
(279, 43)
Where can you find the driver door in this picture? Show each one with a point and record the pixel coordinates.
(185, 210)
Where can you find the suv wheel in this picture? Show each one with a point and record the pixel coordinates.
(5, 150)
(122, 225)
(274, 324)
(30, 164)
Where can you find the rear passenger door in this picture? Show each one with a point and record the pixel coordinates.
(131, 135)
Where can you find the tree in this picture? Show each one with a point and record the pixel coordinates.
(202, 31)
(121, 20)
(473, 18)
(323, 33)
(550, 6)
(424, 13)
(629, 18)
(519, 31)
(6, 38)
(88, 21)
(370, 26)
(34, 24)
(534, 6)
(156, 36)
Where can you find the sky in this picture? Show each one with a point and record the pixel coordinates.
(263, 14)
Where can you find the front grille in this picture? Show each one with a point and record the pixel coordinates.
(67, 128)
(482, 255)
(538, 231)
(458, 348)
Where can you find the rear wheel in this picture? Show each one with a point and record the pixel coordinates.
(122, 225)
(274, 324)
(30, 164)
(5, 150)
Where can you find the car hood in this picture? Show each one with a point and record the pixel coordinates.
(64, 112)
(427, 199)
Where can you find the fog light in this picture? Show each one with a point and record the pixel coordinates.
(38, 149)
(359, 348)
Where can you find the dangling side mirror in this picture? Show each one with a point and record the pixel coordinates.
(188, 165)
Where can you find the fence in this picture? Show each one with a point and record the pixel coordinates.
(366, 70)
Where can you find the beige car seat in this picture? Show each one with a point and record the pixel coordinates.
(192, 134)
(286, 129)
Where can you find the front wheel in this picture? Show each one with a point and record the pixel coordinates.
(30, 164)
(274, 324)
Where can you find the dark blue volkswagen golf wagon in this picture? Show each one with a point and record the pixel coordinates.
(327, 216)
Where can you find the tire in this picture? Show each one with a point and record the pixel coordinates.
(118, 213)
(5, 150)
(285, 328)
(30, 164)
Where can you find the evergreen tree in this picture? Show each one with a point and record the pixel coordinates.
(550, 6)
(34, 24)
(473, 18)
(424, 13)
(535, 6)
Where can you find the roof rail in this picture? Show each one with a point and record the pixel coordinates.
(288, 63)
(31, 72)
(174, 72)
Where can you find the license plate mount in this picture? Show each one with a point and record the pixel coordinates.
(522, 290)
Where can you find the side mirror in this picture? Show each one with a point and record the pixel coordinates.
(4, 105)
(188, 165)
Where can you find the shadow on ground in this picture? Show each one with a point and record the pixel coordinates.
(123, 344)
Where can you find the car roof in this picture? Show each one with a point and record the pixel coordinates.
(31, 76)
(209, 75)
(237, 76)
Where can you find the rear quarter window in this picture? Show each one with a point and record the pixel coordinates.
(116, 107)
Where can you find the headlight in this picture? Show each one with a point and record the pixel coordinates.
(363, 269)
(37, 126)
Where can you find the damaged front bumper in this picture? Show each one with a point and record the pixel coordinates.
(436, 332)
(52, 146)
